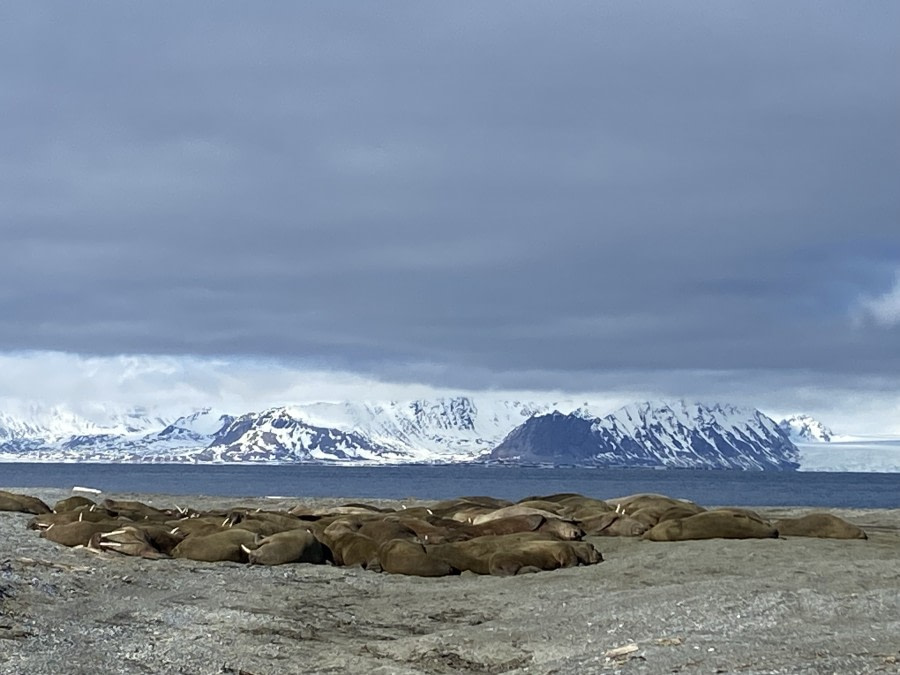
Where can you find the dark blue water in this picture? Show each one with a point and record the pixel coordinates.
(748, 488)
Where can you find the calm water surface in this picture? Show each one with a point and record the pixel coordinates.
(749, 488)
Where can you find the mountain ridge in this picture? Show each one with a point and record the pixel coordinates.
(434, 430)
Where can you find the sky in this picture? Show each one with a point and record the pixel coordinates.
(241, 205)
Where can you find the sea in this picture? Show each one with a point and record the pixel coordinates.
(706, 487)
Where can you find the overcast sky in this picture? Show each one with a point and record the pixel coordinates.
(667, 199)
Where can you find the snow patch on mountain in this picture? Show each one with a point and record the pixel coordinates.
(806, 429)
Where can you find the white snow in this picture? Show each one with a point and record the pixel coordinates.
(872, 455)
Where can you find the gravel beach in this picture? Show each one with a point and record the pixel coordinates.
(792, 605)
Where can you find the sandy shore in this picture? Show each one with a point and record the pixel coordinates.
(754, 606)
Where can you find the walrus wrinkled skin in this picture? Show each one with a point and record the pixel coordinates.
(509, 511)
(128, 540)
(218, 547)
(78, 533)
(289, 546)
(612, 524)
(716, 524)
(822, 525)
(72, 503)
(349, 548)
(537, 556)
(135, 510)
(403, 556)
(10, 501)
(45, 520)
(512, 553)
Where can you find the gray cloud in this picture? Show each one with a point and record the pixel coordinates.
(485, 194)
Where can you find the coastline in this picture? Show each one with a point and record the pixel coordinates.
(752, 606)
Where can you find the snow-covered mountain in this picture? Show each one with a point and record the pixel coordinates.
(672, 435)
(805, 429)
(440, 430)
(435, 430)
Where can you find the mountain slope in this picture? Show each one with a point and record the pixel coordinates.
(805, 429)
(654, 435)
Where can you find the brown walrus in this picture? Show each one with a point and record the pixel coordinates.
(135, 510)
(537, 556)
(128, 540)
(509, 511)
(403, 556)
(288, 546)
(45, 520)
(555, 527)
(221, 546)
(349, 548)
(531, 549)
(78, 533)
(11, 501)
(823, 525)
(715, 524)
(613, 524)
(72, 503)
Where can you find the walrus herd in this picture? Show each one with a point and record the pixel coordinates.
(483, 535)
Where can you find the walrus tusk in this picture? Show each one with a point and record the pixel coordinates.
(90, 490)
(104, 535)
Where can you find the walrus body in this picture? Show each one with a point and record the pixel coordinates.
(509, 554)
(403, 556)
(822, 525)
(128, 540)
(135, 510)
(289, 546)
(714, 524)
(72, 503)
(537, 556)
(10, 501)
(613, 524)
(218, 547)
(78, 533)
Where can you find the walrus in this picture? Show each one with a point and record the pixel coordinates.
(201, 526)
(559, 508)
(537, 556)
(135, 510)
(72, 503)
(434, 530)
(78, 533)
(514, 510)
(128, 540)
(715, 524)
(403, 556)
(11, 501)
(631, 503)
(349, 548)
(555, 527)
(475, 555)
(385, 529)
(45, 520)
(612, 524)
(822, 525)
(218, 547)
(288, 546)
(266, 527)
(651, 515)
